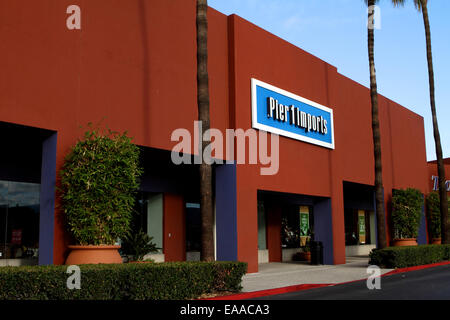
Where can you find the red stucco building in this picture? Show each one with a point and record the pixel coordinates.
(132, 67)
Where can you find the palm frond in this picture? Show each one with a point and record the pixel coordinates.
(367, 2)
(398, 3)
(417, 3)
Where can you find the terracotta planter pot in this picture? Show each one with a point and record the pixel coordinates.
(436, 241)
(307, 256)
(302, 256)
(93, 255)
(404, 242)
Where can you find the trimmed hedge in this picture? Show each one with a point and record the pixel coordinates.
(402, 257)
(131, 281)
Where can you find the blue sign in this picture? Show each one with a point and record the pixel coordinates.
(278, 111)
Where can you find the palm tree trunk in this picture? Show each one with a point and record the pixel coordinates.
(206, 207)
(379, 199)
(445, 228)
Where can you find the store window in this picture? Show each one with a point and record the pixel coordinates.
(359, 227)
(193, 227)
(262, 241)
(148, 216)
(19, 222)
(296, 226)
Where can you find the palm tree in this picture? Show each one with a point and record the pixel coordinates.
(206, 208)
(379, 199)
(422, 6)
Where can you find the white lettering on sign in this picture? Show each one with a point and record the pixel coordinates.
(436, 184)
(284, 113)
(298, 118)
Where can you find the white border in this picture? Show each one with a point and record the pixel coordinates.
(257, 125)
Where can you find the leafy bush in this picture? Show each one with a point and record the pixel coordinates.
(434, 214)
(98, 183)
(146, 281)
(402, 257)
(406, 211)
(138, 245)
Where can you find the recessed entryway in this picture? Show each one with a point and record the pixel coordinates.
(287, 223)
(360, 219)
(27, 195)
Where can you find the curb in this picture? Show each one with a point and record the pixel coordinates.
(302, 287)
(425, 266)
(269, 292)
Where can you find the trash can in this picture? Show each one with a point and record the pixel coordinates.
(316, 252)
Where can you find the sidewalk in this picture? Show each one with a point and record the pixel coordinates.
(278, 275)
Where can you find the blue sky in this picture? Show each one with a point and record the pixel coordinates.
(335, 31)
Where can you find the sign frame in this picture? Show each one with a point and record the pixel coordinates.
(285, 133)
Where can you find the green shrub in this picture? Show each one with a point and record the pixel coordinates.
(99, 180)
(406, 212)
(434, 214)
(138, 245)
(402, 257)
(131, 281)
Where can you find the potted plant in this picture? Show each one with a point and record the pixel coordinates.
(99, 180)
(307, 249)
(305, 254)
(406, 211)
(434, 217)
(137, 245)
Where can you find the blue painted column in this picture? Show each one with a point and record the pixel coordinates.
(226, 213)
(422, 238)
(323, 230)
(47, 200)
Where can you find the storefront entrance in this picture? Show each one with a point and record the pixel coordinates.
(360, 220)
(297, 223)
(167, 207)
(288, 222)
(27, 190)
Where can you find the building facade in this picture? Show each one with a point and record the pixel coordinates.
(132, 67)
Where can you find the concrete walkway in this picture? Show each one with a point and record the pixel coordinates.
(278, 275)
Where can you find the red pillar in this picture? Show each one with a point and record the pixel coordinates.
(338, 223)
(174, 242)
(247, 227)
(274, 233)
